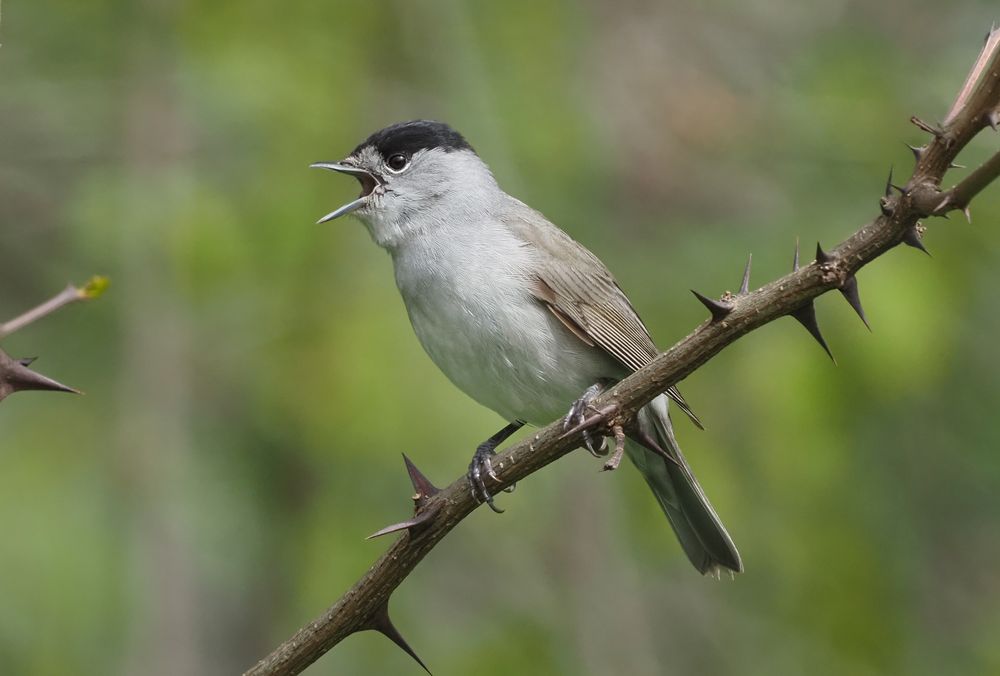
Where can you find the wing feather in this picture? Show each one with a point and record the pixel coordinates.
(582, 293)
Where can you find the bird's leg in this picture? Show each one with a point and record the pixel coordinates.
(578, 413)
(482, 464)
(612, 462)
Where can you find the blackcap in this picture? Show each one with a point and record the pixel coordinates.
(517, 314)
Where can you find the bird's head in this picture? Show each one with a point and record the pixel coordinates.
(413, 175)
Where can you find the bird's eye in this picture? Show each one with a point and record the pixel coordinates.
(397, 162)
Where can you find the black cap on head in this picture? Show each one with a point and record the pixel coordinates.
(409, 137)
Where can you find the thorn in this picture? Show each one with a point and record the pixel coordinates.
(942, 205)
(850, 292)
(968, 214)
(650, 443)
(615, 458)
(955, 165)
(424, 490)
(590, 422)
(885, 206)
(745, 286)
(795, 261)
(404, 525)
(937, 132)
(719, 310)
(822, 256)
(381, 623)
(912, 237)
(26, 361)
(806, 315)
(888, 183)
(15, 376)
(993, 119)
(423, 487)
(918, 151)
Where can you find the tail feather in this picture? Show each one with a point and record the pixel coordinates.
(698, 527)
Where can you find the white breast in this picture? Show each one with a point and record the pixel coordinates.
(467, 295)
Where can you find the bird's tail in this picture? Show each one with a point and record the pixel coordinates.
(701, 533)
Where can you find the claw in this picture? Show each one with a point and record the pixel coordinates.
(488, 464)
(480, 493)
(602, 448)
(489, 503)
(482, 461)
(577, 415)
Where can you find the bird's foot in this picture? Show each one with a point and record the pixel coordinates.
(482, 466)
(615, 459)
(578, 414)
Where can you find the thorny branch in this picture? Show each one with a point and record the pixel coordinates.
(15, 376)
(365, 605)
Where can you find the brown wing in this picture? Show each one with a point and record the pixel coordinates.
(580, 291)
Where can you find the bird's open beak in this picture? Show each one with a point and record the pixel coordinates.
(367, 180)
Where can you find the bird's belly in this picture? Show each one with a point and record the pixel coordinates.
(511, 355)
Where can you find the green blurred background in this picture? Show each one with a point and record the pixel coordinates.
(252, 379)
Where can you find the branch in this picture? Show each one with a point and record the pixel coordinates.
(15, 376)
(365, 605)
(960, 196)
(71, 294)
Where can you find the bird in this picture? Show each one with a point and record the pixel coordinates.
(516, 313)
